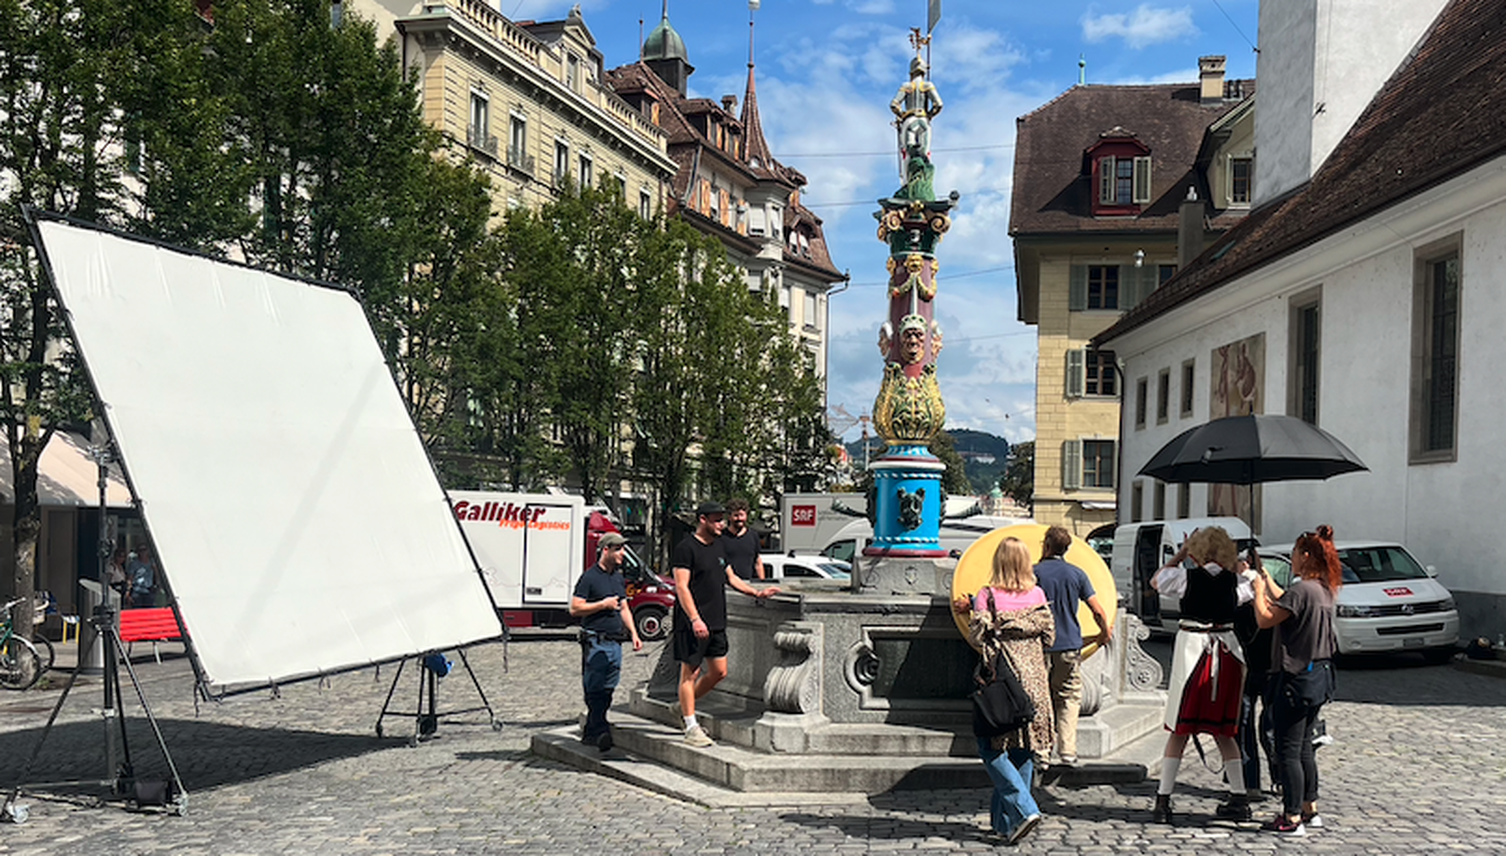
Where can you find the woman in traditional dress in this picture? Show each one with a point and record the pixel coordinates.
(1207, 665)
(1011, 625)
(1301, 670)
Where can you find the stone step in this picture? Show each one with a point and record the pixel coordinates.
(654, 755)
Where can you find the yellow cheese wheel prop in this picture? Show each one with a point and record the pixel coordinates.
(977, 565)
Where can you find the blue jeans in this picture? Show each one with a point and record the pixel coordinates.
(1011, 773)
(600, 669)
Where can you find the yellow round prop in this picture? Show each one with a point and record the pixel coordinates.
(976, 567)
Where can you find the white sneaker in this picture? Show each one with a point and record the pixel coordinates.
(1313, 822)
(697, 736)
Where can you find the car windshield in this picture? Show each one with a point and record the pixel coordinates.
(1278, 567)
(836, 572)
(1379, 564)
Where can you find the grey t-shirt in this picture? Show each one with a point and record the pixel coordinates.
(1306, 635)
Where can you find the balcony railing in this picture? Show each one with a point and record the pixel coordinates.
(520, 160)
(483, 142)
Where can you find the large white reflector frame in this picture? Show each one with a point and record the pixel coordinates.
(295, 512)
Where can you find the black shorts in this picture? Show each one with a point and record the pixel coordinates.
(691, 651)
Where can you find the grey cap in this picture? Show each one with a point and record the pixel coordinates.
(710, 506)
(611, 539)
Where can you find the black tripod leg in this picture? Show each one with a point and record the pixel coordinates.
(182, 798)
(8, 810)
(388, 701)
(464, 661)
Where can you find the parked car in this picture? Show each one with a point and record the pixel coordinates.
(780, 567)
(1389, 602)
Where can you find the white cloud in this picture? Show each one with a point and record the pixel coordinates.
(871, 7)
(1147, 25)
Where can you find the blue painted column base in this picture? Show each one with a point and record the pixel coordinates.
(907, 503)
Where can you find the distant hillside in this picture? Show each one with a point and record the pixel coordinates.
(984, 454)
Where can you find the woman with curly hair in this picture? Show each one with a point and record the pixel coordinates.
(1207, 665)
(1011, 625)
(1301, 669)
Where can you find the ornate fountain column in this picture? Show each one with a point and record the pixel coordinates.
(908, 501)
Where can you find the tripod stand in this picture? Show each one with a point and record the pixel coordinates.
(426, 716)
(120, 774)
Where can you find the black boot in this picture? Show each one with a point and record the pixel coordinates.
(1161, 813)
(1236, 808)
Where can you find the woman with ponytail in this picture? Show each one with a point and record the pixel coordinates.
(1301, 669)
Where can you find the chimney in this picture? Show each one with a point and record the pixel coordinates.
(1189, 229)
(1210, 73)
(729, 103)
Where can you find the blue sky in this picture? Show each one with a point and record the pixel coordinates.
(826, 70)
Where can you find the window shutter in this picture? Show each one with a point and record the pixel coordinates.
(1076, 372)
(1106, 180)
(1142, 180)
(1077, 288)
(1072, 465)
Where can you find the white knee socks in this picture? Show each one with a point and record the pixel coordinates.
(1169, 767)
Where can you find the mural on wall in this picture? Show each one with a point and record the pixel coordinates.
(1238, 377)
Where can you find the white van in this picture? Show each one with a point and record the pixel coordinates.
(1140, 549)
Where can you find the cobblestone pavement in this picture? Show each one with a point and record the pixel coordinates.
(1419, 766)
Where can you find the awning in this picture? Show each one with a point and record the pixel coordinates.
(68, 476)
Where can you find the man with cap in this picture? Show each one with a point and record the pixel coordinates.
(600, 601)
(701, 572)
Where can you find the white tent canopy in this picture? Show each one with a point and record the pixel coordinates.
(293, 507)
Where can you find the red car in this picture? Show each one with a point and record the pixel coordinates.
(650, 597)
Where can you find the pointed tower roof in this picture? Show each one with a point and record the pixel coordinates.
(758, 154)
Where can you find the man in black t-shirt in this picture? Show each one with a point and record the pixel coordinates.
(741, 543)
(600, 601)
(701, 572)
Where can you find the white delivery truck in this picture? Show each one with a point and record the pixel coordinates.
(810, 521)
(533, 547)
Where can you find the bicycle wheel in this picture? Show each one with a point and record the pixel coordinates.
(46, 655)
(19, 664)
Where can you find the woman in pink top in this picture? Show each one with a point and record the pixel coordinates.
(1010, 621)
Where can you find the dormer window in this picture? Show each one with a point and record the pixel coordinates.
(1119, 168)
(1123, 180)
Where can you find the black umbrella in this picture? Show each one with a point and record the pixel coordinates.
(1250, 450)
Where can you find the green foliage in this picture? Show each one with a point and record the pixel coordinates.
(1018, 480)
(954, 479)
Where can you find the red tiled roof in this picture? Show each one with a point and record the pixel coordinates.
(1053, 193)
(1440, 115)
(686, 143)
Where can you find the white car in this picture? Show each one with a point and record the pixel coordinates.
(1389, 602)
(780, 567)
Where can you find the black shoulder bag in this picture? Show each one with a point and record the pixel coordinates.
(1000, 705)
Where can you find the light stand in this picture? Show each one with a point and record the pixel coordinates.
(120, 775)
(426, 716)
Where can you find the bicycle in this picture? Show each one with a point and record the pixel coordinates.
(20, 663)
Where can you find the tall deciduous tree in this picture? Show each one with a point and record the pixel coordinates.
(1018, 480)
(70, 87)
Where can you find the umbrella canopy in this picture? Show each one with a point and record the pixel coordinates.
(1251, 450)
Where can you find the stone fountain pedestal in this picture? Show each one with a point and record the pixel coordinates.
(865, 689)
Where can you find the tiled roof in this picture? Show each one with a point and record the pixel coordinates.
(1441, 114)
(1053, 193)
(687, 143)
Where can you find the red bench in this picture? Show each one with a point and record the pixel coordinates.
(154, 625)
